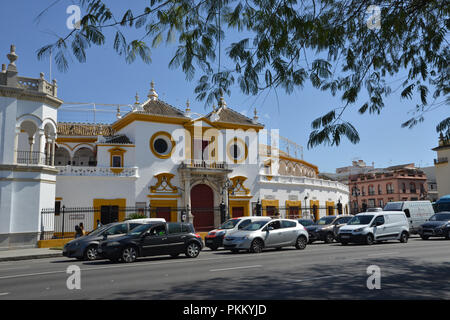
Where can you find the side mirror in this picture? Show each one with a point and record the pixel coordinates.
(270, 228)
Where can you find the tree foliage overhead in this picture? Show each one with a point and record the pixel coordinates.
(274, 45)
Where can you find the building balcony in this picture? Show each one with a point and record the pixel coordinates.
(441, 160)
(34, 158)
(295, 180)
(84, 171)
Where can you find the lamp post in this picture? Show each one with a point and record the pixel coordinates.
(357, 193)
(226, 187)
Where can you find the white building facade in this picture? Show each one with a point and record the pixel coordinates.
(182, 165)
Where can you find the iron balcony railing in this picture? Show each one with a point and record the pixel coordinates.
(32, 158)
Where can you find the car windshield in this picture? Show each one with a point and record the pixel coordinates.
(99, 230)
(325, 220)
(440, 217)
(256, 225)
(230, 224)
(394, 206)
(305, 222)
(360, 220)
(139, 229)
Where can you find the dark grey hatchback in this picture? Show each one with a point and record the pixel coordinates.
(153, 239)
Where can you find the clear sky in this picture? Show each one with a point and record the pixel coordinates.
(106, 78)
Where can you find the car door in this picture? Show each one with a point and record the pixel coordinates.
(289, 232)
(273, 238)
(379, 228)
(155, 241)
(175, 237)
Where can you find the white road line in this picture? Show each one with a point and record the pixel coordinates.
(381, 254)
(234, 268)
(4, 293)
(318, 278)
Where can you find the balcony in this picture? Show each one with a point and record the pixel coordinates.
(441, 160)
(131, 172)
(34, 158)
(279, 179)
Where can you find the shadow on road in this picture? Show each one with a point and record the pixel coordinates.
(401, 278)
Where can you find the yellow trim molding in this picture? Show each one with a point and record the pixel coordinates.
(238, 185)
(311, 204)
(152, 148)
(163, 184)
(329, 204)
(165, 204)
(98, 203)
(242, 203)
(268, 203)
(76, 139)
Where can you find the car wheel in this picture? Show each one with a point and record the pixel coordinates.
(90, 253)
(344, 243)
(329, 237)
(404, 237)
(301, 243)
(369, 239)
(129, 254)
(256, 246)
(192, 250)
(424, 237)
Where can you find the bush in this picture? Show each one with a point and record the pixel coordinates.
(135, 216)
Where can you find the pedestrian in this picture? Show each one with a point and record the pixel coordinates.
(82, 232)
(78, 232)
(98, 223)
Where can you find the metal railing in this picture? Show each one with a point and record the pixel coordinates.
(32, 158)
(441, 160)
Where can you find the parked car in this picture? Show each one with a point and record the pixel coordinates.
(153, 239)
(214, 238)
(85, 247)
(305, 222)
(375, 226)
(437, 226)
(326, 228)
(417, 212)
(267, 233)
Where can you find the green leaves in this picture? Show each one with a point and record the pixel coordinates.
(284, 44)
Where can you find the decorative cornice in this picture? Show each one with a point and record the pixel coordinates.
(23, 94)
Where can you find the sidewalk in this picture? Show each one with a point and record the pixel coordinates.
(26, 254)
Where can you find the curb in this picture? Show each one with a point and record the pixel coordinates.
(31, 257)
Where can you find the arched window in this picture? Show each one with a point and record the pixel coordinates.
(62, 157)
(84, 157)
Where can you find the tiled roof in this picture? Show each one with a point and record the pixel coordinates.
(162, 108)
(231, 116)
(84, 129)
(119, 139)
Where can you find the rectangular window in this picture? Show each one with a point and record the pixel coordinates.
(57, 208)
(117, 161)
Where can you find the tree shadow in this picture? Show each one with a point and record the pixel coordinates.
(401, 278)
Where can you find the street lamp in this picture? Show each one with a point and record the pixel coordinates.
(226, 186)
(356, 193)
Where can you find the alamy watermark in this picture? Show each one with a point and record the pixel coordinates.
(374, 20)
(374, 279)
(74, 19)
(74, 280)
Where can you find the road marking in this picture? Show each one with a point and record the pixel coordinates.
(4, 293)
(318, 278)
(234, 268)
(381, 254)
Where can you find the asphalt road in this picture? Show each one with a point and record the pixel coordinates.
(415, 270)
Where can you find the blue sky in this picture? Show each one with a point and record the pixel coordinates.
(106, 78)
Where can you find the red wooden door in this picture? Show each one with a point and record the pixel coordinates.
(202, 203)
(163, 212)
(237, 212)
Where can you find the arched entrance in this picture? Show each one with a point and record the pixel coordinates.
(202, 203)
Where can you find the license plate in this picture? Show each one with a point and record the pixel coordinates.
(345, 237)
(208, 241)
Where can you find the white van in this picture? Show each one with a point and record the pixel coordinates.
(417, 212)
(369, 227)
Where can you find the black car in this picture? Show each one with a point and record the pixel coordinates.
(305, 222)
(153, 239)
(437, 226)
(85, 248)
(326, 228)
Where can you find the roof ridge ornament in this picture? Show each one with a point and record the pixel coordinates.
(118, 115)
(12, 57)
(255, 117)
(152, 94)
(188, 109)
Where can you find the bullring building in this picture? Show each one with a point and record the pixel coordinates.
(158, 159)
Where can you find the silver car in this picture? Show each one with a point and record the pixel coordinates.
(267, 233)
